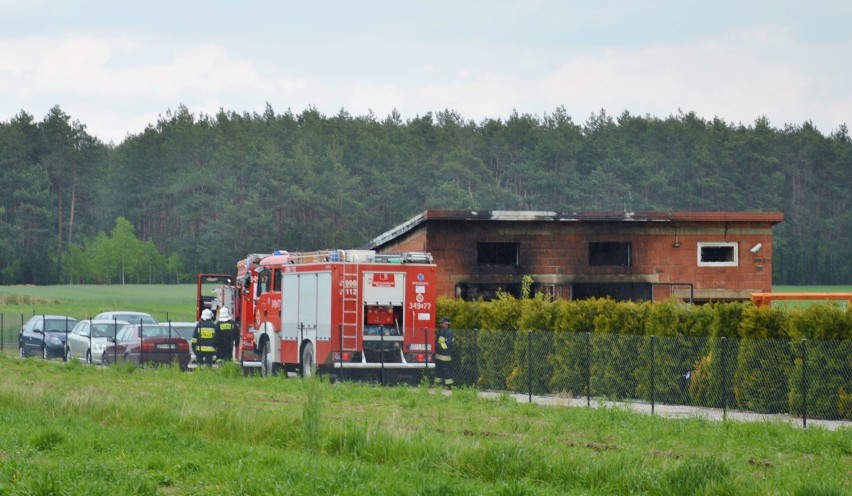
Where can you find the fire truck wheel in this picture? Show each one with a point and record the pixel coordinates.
(268, 367)
(309, 366)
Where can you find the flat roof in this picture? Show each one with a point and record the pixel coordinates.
(548, 216)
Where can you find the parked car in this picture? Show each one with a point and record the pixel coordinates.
(185, 330)
(147, 344)
(89, 338)
(44, 335)
(127, 316)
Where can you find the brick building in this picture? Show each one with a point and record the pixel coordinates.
(697, 256)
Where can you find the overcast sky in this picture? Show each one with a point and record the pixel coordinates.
(117, 66)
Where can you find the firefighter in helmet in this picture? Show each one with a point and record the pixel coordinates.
(204, 339)
(444, 354)
(225, 331)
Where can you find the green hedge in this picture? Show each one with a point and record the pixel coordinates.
(600, 347)
(819, 332)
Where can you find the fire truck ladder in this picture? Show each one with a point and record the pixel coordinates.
(349, 320)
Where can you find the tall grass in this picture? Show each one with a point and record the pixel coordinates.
(74, 429)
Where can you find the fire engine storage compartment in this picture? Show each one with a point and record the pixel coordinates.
(305, 313)
(377, 325)
(383, 298)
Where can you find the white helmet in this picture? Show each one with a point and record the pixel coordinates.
(206, 314)
(224, 314)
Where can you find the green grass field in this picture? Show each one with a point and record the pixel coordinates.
(73, 429)
(165, 302)
(79, 430)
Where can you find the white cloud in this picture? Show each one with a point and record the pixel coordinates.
(118, 84)
(738, 77)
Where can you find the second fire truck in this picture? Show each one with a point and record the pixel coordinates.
(347, 312)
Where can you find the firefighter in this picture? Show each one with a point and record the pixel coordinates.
(204, 339)
(444, 355)
(225, 331)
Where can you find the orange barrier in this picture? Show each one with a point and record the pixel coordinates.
(761, 299)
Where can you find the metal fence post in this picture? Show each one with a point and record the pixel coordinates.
(141, 343)
(115, 340)
(340, 354)
(653, 342)
(529, 366)
(588, 369)
(382, 356)
(804, 382)
(476, 354)
(2, 334)
(724, 378)
(427, 347)
(65, 347)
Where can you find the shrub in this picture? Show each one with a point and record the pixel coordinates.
(574, 323)
(496, 341)
(764, 361)
(532, 369)
(617, 348)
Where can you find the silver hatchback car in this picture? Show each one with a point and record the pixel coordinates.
(89, 338)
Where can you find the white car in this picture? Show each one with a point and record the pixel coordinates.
(89, 338)
(127, 316)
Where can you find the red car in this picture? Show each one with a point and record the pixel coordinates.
(148, 344)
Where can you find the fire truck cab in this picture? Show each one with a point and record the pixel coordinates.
(349, 313)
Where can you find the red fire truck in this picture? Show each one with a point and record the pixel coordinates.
(347, 312)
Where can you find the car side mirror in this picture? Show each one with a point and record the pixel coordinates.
(38, 331)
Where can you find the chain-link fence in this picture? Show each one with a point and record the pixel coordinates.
(796, 377)
(806, 379)
(10, 325)
(47, 336)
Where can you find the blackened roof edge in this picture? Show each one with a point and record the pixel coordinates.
(547, 216)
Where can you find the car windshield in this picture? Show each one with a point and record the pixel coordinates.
(157, 331)
(104, 330)
(135, 319)
(59, 325)
(183, 331)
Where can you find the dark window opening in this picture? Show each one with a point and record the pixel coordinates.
(717, 254)
(497, 253)
(638, 291)
(609, 254)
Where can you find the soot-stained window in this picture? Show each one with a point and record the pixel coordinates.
(609, 253)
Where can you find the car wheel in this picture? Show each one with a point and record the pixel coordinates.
(68, 354)
(105, 359)
(21, 352)
(44, 353)
(89, 357)
(309, 366)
